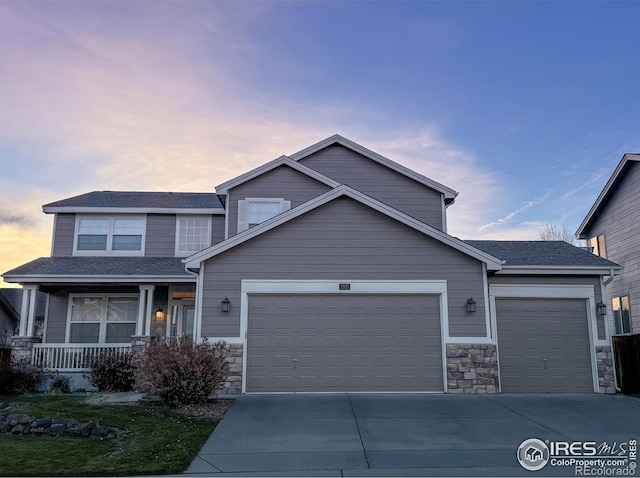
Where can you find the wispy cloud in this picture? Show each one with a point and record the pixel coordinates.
(506, 219)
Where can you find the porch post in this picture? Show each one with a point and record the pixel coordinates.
(142, 307)
(147, 327)
(33, 291)
(28, 310)
(24, 312)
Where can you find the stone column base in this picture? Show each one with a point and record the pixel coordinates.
(139, 343)
(472, 369)
(22, 347)
(604, 361)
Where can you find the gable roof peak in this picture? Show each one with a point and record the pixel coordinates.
(448, 193)
(608, 189)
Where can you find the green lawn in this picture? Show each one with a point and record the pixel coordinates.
(156, 441)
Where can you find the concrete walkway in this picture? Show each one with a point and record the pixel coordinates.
(405, 434)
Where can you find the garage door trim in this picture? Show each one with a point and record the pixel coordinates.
(426, 287)
(538, 291)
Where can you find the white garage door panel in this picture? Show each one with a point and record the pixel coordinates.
(543, 345)
(343, 342)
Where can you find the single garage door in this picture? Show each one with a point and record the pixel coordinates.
(543, 345)
(355, 342)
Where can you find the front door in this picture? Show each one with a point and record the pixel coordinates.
(182, 319)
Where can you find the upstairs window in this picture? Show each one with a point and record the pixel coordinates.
(109, 235)
(193, 234)
(621, 315)
(597, 246)
(253, 211)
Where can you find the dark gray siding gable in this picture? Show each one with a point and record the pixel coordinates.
(217, 229)
(378, 181)
(342, 240)
(65, 226)
(281, 182)
(618, 220)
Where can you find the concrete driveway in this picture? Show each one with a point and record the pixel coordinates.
(405, 434)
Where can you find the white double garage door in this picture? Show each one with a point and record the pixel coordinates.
(374, 339)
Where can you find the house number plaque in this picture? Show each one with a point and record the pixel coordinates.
(344, 286)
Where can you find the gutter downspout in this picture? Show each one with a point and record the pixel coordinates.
(615, 375)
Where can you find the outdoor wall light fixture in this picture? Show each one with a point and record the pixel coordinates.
(160, 314)
(471, 305)
(226, 305)
(601, 307)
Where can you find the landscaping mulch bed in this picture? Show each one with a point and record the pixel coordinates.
(213, 409)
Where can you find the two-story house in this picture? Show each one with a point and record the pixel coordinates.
(327, 270)
(611, 228)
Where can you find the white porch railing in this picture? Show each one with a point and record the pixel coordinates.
(72, 357)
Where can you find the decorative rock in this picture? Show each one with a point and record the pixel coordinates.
(57, 429)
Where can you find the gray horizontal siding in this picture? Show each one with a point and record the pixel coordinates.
(557, 280)
(57, 318)
(281, 182)
(65, 226)
(378, 181)
(217, 229)
(161, 235)
(342, 240)
(618, 220)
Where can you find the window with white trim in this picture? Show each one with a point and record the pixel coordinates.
(193, 234)
(253, 211)
(109, 236)
(621, 314)
(102, 318)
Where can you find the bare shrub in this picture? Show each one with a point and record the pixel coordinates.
(183, 372)
(20, 376)
(112, 372)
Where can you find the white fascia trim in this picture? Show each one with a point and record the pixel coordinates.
(555, 291)
(282, 160)
(93, 279)
(330, 286)
(558, 270)
(580, 233)
(131, 210)
(449, 193)
(342, 190)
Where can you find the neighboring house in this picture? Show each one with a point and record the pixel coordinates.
(10, 307)
(327, 270)
(612, 228)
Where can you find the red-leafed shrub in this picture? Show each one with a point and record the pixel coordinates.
(183, 372)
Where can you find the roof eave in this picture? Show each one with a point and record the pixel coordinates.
(559, 270)
(129, 210)
(94, 279)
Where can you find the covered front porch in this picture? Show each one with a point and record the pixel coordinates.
(84, 321)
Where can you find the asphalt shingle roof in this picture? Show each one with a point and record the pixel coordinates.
(109, 266)
(541, 253)
(139, 199)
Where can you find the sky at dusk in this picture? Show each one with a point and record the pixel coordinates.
(524, 108)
